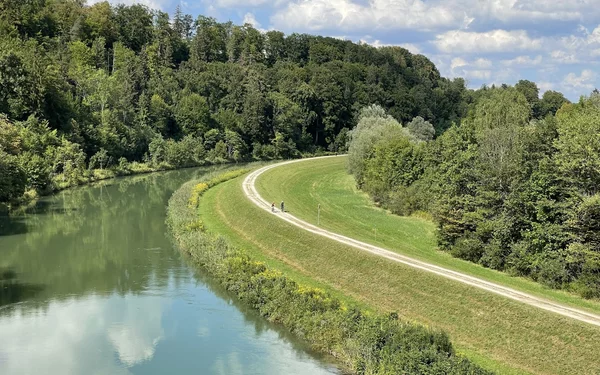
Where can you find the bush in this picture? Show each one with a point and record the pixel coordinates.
(583, 264)
(469, 248)
(37, 169)
(14, 179)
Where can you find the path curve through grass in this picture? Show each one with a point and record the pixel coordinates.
(252, 193)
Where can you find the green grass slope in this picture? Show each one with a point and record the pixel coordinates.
(493, 331)
(347, 211)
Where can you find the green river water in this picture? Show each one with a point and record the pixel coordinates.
(90, 283)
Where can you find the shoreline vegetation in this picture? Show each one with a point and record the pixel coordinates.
(91, 176)
(363, 342)
(496, 333)
(61, 182)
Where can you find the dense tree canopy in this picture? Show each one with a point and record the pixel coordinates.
(114, 84)
(507, 190)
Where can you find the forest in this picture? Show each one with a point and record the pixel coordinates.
(513, 186)
(90, 90)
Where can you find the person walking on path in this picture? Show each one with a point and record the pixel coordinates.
(273, 207)
(282, 210)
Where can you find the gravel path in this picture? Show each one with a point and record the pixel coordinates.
(252, 194)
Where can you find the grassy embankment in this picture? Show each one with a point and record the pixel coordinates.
(350, 212)
(363, 342)
(498, 333)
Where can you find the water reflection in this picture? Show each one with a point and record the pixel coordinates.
(93, 239)
(13, 291)
(90, 284)
(138, 330)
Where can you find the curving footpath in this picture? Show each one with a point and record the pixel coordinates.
(252, 194)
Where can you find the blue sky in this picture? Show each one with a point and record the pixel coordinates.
(555, 43)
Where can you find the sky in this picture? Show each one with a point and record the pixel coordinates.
(555, 43)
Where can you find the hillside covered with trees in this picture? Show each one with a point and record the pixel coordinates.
(510, 181)
(89, 88)
(514, 187)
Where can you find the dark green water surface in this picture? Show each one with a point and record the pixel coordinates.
(90, 284)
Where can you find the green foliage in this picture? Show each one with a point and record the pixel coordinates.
(99, 160)
(578, 144)
(421, 129)
(551, 102)
(192, 114)
(395, 162)
(340, 143)
(201, 188)
(14, 179)
(160, 115)
(531, 93)
(586, 221)
(374, 125)
(507, 192)
(38, 171)
(185, 153)
(363, 342)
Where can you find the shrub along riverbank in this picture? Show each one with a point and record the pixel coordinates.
(363, 342)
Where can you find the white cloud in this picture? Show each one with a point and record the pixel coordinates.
(68, 335)
(580, 47)
(458, 62)
(153, 4)
(506, 75)
(563, 57)
(487, 42)
(516, 10)
(412, 48)
(419, 14)
(478, 74)
(478, 69)
(545, 86)
(249, 18)
(523, 61)
(586, 80)
(482, 63)
(238, 3)
(317, 15)
(136, 338)
(244, 3)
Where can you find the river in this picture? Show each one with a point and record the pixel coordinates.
(90, 283)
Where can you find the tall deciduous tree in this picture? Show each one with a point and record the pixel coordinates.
(421, 129)
(578, 144)
(192, 114)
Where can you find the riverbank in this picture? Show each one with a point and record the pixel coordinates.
(61, 182)
(499, 334)
(362, 341)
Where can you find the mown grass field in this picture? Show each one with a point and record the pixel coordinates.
(495, 332)
(348, 211)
